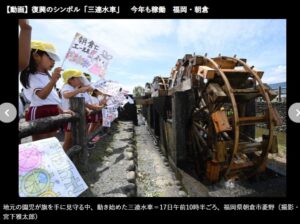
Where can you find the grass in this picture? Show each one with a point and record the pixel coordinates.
(281, 150)
(155, 194)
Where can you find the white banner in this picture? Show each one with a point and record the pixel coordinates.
(108, 87)
(117, 99)
(88, 56)
(109, 114)
(46, 171)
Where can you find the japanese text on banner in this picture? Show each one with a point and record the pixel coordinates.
(89, 56)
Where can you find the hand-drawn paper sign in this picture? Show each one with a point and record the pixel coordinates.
(88, 56)
(46, 171)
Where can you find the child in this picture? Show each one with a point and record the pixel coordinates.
(97, 121)
(40, 85)
(73, 88)
(94, 120)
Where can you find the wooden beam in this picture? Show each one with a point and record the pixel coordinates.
(184, 86)
(246, 147)
(245, 91)
(206, 72)
(238, 71)
(186, 59)
(216, 93)
(74, 150)
(252, 120)
(224, 63)
(44, 124)
(220, 121)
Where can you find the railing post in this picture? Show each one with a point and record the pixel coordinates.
(79, 133)
(279, 93)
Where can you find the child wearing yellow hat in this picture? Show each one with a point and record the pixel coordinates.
(39, 85)
(73, 87)
(95, 119)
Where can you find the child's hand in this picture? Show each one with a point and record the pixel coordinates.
(98, 107)
(103, 102)
(88, 111)
(83, 89)
(90, 88)
(69, 112)
(56, 74)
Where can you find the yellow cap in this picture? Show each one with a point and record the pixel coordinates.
(69, 73)
(47, 47)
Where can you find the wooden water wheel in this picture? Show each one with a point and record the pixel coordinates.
(221, 135)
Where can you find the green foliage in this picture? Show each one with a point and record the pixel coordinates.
(138, 91)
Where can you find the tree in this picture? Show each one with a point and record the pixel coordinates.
(138, 91)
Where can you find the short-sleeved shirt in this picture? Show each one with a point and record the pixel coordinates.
(66, 101)
(38, 81)
(87, 98)
(100, 98)
(95, 100)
